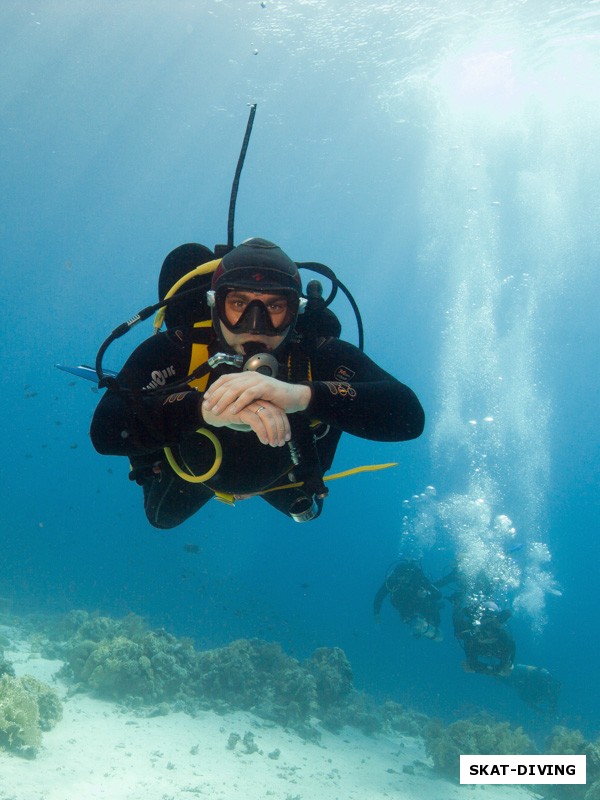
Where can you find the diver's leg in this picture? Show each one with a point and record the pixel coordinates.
(169, 500)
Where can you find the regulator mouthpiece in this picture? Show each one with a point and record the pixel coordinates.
(265, 363)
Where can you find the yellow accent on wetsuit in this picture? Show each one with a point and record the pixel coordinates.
(198, 357)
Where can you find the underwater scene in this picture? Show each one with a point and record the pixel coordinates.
(406, 595)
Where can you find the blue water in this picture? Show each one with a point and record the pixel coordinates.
(442, 158)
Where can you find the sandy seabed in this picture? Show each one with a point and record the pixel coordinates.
(100, 751)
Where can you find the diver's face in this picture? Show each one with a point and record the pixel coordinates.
(236, 303)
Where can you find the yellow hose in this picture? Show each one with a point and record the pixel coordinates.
(203, 269)
(189, 476)
(335, 476)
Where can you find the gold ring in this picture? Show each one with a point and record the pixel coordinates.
(259, 409)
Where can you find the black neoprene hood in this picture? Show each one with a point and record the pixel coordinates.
(258, 265)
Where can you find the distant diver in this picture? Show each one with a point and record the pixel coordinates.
(417, 600)
(536, 687)
(480, 627)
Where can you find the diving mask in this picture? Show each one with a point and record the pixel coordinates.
(245, 311)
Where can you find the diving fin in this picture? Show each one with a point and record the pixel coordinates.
(83, 371)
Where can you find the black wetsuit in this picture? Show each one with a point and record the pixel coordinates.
(412, 595)
(488, 645)
(350, 394)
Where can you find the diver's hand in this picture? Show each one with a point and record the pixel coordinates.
(268, 422)
(234, 392)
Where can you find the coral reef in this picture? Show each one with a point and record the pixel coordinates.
(333, 675)
(258, 676)
(48, 702)
(479, 734)
(19, 717)
(593, 793)
(154, 671)
(567, 741)
(124, 661)
(135, 666)
(398, 719)
(6, 667)
(27, 706)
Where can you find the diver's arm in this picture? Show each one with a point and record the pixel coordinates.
(451, 577)
(379, 598)
(233, 392)
(370, 403)
(135, 421)
(138, 420)
(268, 421)
(123, 426)
(354, 394)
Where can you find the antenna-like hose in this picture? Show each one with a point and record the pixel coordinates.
(236, 179)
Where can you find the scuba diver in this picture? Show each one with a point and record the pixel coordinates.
(415, 598)
(479, 626)
(536, 687)
(246, 393)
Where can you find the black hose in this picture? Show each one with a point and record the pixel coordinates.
(236, 179)
(327, 272)
(103, 380)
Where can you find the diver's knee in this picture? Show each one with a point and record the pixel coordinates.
(161, 523)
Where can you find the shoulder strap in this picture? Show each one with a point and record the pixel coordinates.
(201, 337)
